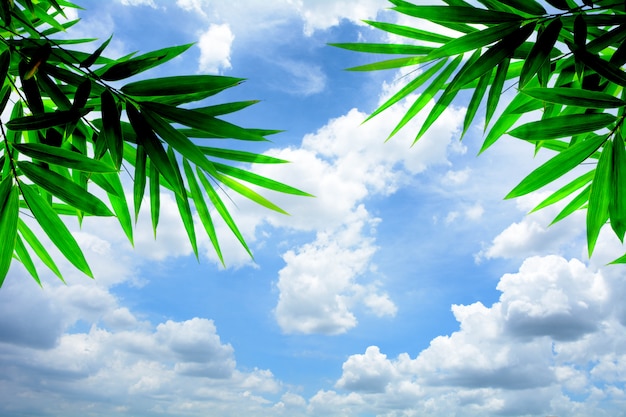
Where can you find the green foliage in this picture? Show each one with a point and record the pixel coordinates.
(66, 142)
(564, 58)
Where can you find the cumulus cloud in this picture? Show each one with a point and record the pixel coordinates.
(535, 351)
(215, 47)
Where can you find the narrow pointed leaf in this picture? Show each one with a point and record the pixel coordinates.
(202, 209)
(139, 185)
(62, 157)
(477, 97)
(222, 210)
(575, 97)
(64, 189)
(155, 197)
(259, 180)
(112, 129)
(180, 85)
(46, 120)
(9, 212)
(56, 230)
(577, 203)
(557, 166)
(457, 14)
(249, 193)
(142, 63)
(385, 48)
(540, 52)
(410, 32)
(184, 209)
(600, 196)
(565, 191)
(38, 248)
(26, 260)
(617, 206)
(562, 126)
(496, 89)
(240, 156)
(91, 59)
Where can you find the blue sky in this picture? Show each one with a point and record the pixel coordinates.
(407, 287)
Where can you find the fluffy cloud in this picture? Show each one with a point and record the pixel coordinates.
(215, 47)
(551, 339)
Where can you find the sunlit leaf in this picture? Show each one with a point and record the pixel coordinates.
(259, 180)
(562, 126)
(600, 196)
(565, 191)
(557, 166)
(617, 192)
(410, 32)
(575, 97)
(184, 209)
(180, 85)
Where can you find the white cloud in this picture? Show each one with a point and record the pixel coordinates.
(323, 14)
(551, 339)
(138, 3)
(303, 78)
(215, 47)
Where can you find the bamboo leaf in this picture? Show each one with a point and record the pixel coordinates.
(558, 166)
(38, 248)
(577, 203)
(139, 185)
(184, 209)
(496, 89)
(259, 180)
(565, 191)
(55, 229)
(477, 97)
(409, 32)
(222, 210)
(64, 189)
(9, 212)
(202, 209)
(617, 193)
(575, 97)
(24, 257)
(600, 196)
(562, 126)
(456, 14)
(62, 157)
(91, 59)
(155, 197)
(240, 156)
(134, 66)
(112, 128)
(46, 120)
(181, 85)
(540, 53)
(385, 48)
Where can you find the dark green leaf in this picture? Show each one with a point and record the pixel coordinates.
(187, 84)
(55, 229)
(91, 59)
(385, 48)
(139, 185)
(62, 157)
(111, 127)
(452, 14)
(496, 89)
(142, 63)
(46, 120)
(540, 52)
(64, 189)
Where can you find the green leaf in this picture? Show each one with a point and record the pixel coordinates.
(155, 197)
(61, 157)
(55, 229)
(46, 120)
(385, 48)
(577, 203)
(202, 209)
(617, 206)
(152, 145)
(562, 126)
(452, 14)
(64, 189)
(112, 128)
(91, 59)
(604, 68)
(38, 248)
(258, 180)
(139, 185)
(600, 196)
(222, 210)
(391, 64)
(413, 85)
(24, 257)
(559, 4)
(565, 191)
(496, 89)
(249, 193)
(409, 32)
(9, 212)
(142, 63)
(477, 97)
(201, 121)
(531, 7)
(240, 156)
(186, 84)
(184, 209)
(575, 97)
(475, 40)
(430, 91)
(540, 53)
(558, 166)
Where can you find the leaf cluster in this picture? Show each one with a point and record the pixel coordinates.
(564, 58)
(71, 134)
